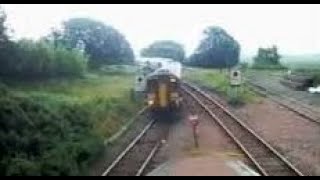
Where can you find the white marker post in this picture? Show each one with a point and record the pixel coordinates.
(194, 121)
(235, 82)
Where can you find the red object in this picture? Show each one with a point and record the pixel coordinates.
(194, 121)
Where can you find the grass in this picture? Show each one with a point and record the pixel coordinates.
(97, 89)
(214, 79)
(72, 119)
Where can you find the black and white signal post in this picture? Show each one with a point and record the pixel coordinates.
(235, 83)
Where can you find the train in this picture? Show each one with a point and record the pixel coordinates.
(160, 85)
(163, 93)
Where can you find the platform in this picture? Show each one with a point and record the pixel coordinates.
(203, 166)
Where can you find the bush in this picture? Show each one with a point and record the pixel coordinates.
(3, 89)
(316, 79)
(314, 72)
(35, 60)
(41, 139)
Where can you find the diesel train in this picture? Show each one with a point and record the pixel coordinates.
(159, 81)
(163, 91)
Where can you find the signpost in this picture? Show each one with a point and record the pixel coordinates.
(235, 83)
(235, 78)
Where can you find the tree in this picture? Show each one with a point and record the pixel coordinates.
(103, 44)
(6, 46)
(267, 56)
(165, 49)
(218, 49)
(3, 29)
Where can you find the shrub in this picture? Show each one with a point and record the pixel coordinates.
(41, 139)
(317, 79)
(36, 60)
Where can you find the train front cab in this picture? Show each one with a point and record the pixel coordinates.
(163, 93)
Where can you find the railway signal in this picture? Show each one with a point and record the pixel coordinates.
(235, 78)
(235, 83)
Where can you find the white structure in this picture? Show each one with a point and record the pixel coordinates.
(149, 65)
(235, 78)
(163, 63)
(314, 90)
(140, 83)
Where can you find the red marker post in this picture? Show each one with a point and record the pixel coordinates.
(194, 121)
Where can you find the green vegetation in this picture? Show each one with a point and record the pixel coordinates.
(267, 58)
(102, 43)
(217, 50)
(39, 60)
(317, 79)
(218, 81)
(304, 64)
(57, 127)
(165, 49)
(55, 114)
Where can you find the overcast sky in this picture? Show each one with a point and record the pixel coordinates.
(294, 28)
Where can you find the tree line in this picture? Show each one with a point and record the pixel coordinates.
(217, 50)
(82, 43)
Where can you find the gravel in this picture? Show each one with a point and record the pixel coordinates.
(292, 135)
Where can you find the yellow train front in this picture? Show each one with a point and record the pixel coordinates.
(163, 92)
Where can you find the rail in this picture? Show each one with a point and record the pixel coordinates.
(267, 160)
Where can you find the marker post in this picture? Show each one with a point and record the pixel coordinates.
(194, 121)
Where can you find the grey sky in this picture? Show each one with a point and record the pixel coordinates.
(294, 28)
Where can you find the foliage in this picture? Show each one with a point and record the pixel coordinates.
(267, 58)
(34, 135)
(57, 127)
(317, 79)
(219, 82)
(28, 59)
(314, 73)
(3, 35)
(4, 39)
(165, 49)
(217, 50)
(103, 44)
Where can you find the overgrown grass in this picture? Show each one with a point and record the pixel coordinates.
(219, 81)
(57, 127)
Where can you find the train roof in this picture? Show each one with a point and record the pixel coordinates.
(160, 72)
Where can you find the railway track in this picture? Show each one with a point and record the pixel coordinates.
(266, 159)
(289, 103)
(135, 158)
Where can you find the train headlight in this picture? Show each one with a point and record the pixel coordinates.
(173, 80)
(150, 102)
